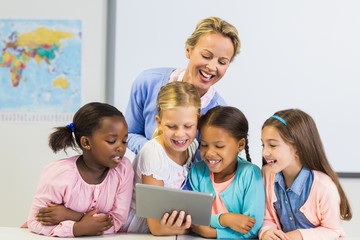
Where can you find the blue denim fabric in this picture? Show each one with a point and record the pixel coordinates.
(289, 201)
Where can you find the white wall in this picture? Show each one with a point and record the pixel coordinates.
(24, 146)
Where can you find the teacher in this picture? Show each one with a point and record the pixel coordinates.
(210, 49)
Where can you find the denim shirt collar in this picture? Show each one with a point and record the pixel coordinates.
(299, 182)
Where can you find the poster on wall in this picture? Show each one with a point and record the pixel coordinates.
(40, 70)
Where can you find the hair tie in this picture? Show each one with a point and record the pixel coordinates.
(279, 118)
(71, 127)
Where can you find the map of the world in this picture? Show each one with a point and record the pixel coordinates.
(40, 69)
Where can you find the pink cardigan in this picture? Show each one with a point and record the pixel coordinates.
(322, 208)
(61, 183)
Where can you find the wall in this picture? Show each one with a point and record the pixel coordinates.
(24, 149)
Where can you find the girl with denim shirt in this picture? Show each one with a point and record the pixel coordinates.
(304, 198)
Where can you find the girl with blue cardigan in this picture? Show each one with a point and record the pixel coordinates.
(236, 184)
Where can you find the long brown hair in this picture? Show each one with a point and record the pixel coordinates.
(299, 129)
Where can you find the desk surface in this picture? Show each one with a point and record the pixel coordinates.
(13, 233)
(194, 237)
(16, 233)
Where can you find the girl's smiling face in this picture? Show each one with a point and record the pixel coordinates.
(219, 150)
(279, 155)
(178, 126)
(208, 61)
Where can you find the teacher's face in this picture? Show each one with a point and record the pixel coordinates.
(208, 61)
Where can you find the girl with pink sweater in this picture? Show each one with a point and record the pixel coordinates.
(304, 199)
(89, 193)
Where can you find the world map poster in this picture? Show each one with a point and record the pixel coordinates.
(40, 70)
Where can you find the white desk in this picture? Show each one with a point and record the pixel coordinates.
(194, 237)
(14, 233)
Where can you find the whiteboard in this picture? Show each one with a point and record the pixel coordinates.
(294, 54)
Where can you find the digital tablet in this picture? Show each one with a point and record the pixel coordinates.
(153, 201)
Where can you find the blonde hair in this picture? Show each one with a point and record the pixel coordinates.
(215, 25)
(176, 94)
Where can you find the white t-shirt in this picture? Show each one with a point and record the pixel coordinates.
(153, 160)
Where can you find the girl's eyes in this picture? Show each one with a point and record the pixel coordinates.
(174, 127)
(124, 141)
(203, 145)
(270, 145)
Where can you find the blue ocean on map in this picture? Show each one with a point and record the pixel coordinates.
(40, 66)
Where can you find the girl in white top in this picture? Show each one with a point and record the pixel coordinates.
(165, 160)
